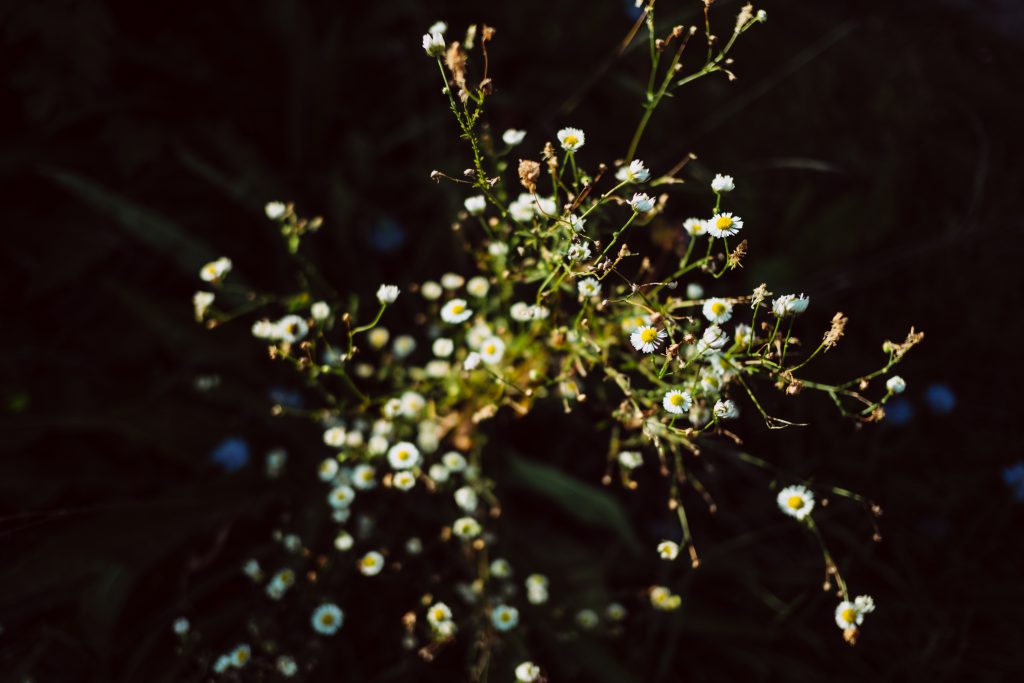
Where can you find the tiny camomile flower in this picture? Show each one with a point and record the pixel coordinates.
(327, 619)
(438, 27)
(497, 249)
(635, 172)
(371, 563)
(433, 44)
(456, 311)
(439, 473)
(286, 666)
(695, 227)
(717, 311)
(241, 655)
(475, 205)
(589, 288)
(335, 437)
(492, 350)
(646, 338)
(587, 619)
(527, 672)
(466, 528)
(724, 225)
(263, 329)
(571, 139)
(181, 626)
(403, 345)
(478, 334)
(631, 459)
(291, 329)
(851, 614)
(452, 280)
(466, 499)
(714, 337)
(663, 599)
(215, 271)
(641, 203)
(341, 496)
(513, 137)
(694, 291)
(677, 402)
(404, 480)
(201, 302)
(320, 311)
(328, 469)
(504, 617)
(667, 550)
(478, 286)
(275, 210)
(364, 477)
(895, 384)
(472, 361)
(790, 304)
(443, 347)
(431, 290)
(412, 403)
(378, 337)
(386, 294)
(344, 541)
(796, 501)
(520, 311)
(501, 569)
(723, 183)
(726, 410)
(438, 613)
(578, 252)
(403, 455)
(615, 611)
(454, 461)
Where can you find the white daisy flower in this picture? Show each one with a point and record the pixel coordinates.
(439, 473)
(456, 311)
(724, 225)
(631, 459)
(291, 329)
(378, 337)
(327, 619)
(677, 402)
(501, 568)
(635, 172)
(851, 614)
(335, 437)
(403, 455)
(742, 334)
(571, 138)
(240, 656)
(695, 227)
(404, 480)
(578, 252)
(201, 302)
(403, 346)
(520, 311)
(431, 290)
(328, 469)
(438, 613)
(796, 501)
(513, 137)
(478, 334)
(275, 210)
(694, 291)
(710, 383)
(497, 249)
(452, 280)
(717, 311)
(667, 550)
(527, 672)
(215, 271)
(478, 286)
(646, 338)
(589, 288)
(492, 350)
(454, 461)
(263, 329)
(320, 311)
(364, 477)
(181, 626)
(466, 528)
(521, 211)
(344, 541)
(895, 384)
(438, 27)
(641, 203)
(371, 563)
(412, 404)
(286, 666)
(714, 337)
(505, 617)
(466, 499)
(723, 183)
(433, 44)
(790, 304)
(475, 205)
(726, 410)
(472, 362)
(386, 294)
(392, 408)
(341, 496)
(443, 347)
(437, 368)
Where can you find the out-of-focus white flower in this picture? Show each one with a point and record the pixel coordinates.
(341, 496)
(181, 626)
(454, 461)
(286, 666)
(291, 329)
(578, 252)
(500, 568)
(438, 613)
(717, 311)
(646, 338)
(475, 205)
(364, 477)
(587, 619)
(412, 403)
(386, 294)
(571, 138)
(404, 480)
(327, 619)
(240, 656)
(527, 672)
(478, 286)
(723, 183)
(520, 210)
(201, 301)
(790, 304)
(263, 329)
(456, 311)
(667, 550)
(443, 347)
(402, 346)
(663, 599)
(438, 27)
(439, 473)
(742, 334)
(724, 225)
(328, 469)
(589, 288)
(513, 137)
(505, 617)
(466, 528)
(631, 459)
(896, 384)
(677, 401)
(761, 16)
(575, 222)
(403, 455)
(344, 541)
(497, 249)
(472, 361)
(492, 350)
(320, 311)
(371, 563)
(615, 611)
(466, 499)
(335, 437)
(694, 291)
(726, 410)
(431, 290)
(452, 280)
(275, 210)
(215, 271)
(433, 44)
(796, 501)
(641, 203)
(695, 227)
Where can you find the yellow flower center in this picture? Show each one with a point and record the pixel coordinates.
(403, 455)
(369, 562)
(795, 502)
(327, 619)
(648, 335)
(676, 399)
(490, 349)
(438, 614)
(849, 615)
(571, 140)
(505, 616)
(242, 656)
(718, 308)
(458, 309)
(723, 223)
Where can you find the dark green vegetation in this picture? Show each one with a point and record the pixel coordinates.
(877, 159)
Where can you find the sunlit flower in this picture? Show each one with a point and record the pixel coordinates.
(796, 501)
(456, 311)
(851, 614)
(404, 480)
(433, 44)
(438, 613)
(371, 563)
(723, 183)
(589, 288)
(695, 227)
(341, 496)
(466, 528)
(328, 469)
(335, 437)
(364, 477)
(412, 403)
(505, 617)
(386, 294)
(571, 138)
(320, 311)
(291, 329)
(631, 459)
(438, 27)
(527, 672)
(478, 286)
(215, 271)
(717, 311)
(578, 252)
(895, 384)
(201, 302)
(677, 402)
(475, 205)
(454, 461)
(403, 455)
(327, 619)
(472, 361)
(634, 172)
(641, 203)
(646, 338)
(726, 410)
(344, 541)
(724, 225)
(275, 210)
(513, 137)
(492, 350)
(667, 550)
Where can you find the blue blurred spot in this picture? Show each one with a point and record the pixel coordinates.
(632, 11)
(940, 398)
(1013, 477)
(898, 411)
(289, 398)
(387, 235)
(232, 454)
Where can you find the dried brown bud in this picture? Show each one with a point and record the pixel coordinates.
(435, 176)
(488, 33)
(736, 257)
(529, 173)
(835, 333)
(455, 60)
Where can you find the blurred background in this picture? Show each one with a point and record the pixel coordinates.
(877, 157)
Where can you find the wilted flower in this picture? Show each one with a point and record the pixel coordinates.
(790, 304)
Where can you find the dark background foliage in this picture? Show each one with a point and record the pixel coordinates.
(876, 147)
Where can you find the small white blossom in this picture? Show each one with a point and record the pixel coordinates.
(181, 626)
(726, 410)
(895, 384)
(456, 311)
(761, 16)
(454, 461)
(634, 172)
(240, 656)
(320, 311)
(433, 44)
(589, 288)
(472, 361)
(724, 225)
(492, 350)
(796, 501)
(386, 294)
(371, 563)
(341, 497)
(714, 337)
(438, 27)
(335, 437)
(201, 302)
(578, 252)
(452, 280)
(431, 290)
(475, 205)
(364, 477)
(438, 613)
(667, 550)
(478, 286)
(631, 459)
(513, 137)
(641, 203)
(717, 311)
(723, 183)
(694, 291)
(466, 528)
(575, 222)
(571, 139)
(790, 304)
(328, 469)
(286, 666)
(402, 346)
(497, 249)
(327, 619)
(501, 569)
(676, 401)
(647, 338)
(344, 541)
(275, 210)
(291, 329)
(443, 347)
(403, 455)
(404, 480)
(851, 614)
(505, 618)
(466, 499)
(521, 211)
(215, 271)
(527, 672)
